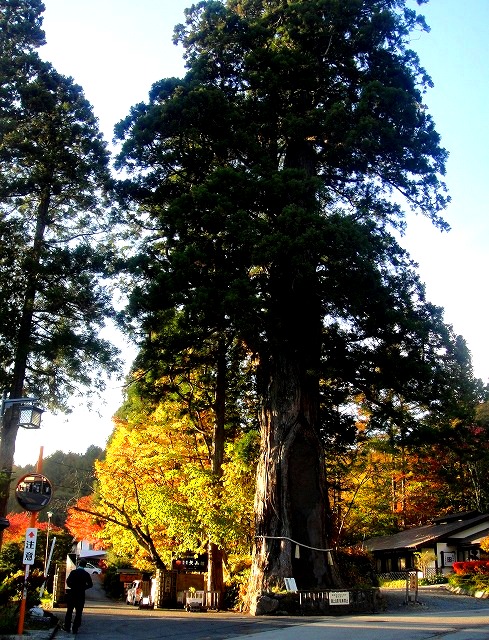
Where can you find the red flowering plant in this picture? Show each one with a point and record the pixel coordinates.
(471, 576)
(471, 566)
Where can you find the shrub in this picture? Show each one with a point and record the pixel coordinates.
(11, 594)
(112, 584)
(356, 568)
(9, 617)
(471, 566)
(438, 578)
(400, 583)
(470, 582)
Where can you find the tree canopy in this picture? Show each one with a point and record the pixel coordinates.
(54, 224)
(269, 180)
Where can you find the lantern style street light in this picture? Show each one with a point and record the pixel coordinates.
(29, 413)
(14, 413)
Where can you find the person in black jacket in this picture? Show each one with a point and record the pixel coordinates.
(77, 582)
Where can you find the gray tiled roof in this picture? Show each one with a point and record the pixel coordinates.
(418, 536)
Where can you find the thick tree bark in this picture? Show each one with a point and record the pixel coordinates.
(215, 577)
(291, 501)
(10, 427)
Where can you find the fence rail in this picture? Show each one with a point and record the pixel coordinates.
(202, 600)
(335, 602)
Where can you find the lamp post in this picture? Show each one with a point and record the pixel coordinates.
(29, 413)
(50, 515)
(14, 413)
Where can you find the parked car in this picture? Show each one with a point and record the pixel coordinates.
(141, 593)
(92, 569)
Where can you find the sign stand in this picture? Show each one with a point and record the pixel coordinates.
(31, 537)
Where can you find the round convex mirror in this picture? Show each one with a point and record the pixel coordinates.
(34, 492)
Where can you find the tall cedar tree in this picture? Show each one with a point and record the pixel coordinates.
(266, 180)
(53, 180)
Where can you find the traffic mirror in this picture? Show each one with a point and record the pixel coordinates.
(34, 492)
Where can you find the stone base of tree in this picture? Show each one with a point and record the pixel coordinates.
(318, 602)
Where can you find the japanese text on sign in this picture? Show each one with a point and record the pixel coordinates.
(339, 597)
(30, 546)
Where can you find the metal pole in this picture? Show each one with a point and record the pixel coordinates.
(20, 627)
(49, 514)
(47, 569)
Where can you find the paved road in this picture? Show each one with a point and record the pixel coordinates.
(439, 615)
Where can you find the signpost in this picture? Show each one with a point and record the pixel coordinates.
(33, 493)
(30, 546)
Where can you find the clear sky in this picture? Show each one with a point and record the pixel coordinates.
(116, 49)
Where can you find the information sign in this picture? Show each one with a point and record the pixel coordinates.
(339, 597)
(30, 546)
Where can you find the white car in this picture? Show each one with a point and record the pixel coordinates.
(141, 593)
(92, 569)
(134, 593)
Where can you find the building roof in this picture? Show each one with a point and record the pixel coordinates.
(441, 529)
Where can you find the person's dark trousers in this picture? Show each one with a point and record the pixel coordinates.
(74, 601)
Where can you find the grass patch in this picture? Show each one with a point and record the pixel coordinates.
(393, 584)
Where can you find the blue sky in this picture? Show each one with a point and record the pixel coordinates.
(116, 49)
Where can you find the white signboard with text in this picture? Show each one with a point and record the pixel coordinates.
(339, 597)
(30, 546)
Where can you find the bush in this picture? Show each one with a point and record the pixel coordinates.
(356, 568)
(438, 578)
(471, 566)
(11, 590)
(9, 618)
(112, 584)
(470, 582)
(393, 584)
(236, 587)
(10, 559)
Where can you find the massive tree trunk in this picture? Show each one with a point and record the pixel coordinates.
(215, 577)
(10, 426)
(291, 505)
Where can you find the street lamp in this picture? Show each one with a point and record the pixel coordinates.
(29, 413)
(50, 515)
(14, 413)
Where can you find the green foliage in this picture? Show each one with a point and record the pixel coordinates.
(392, 584)
(264, 178)
(356, 569)
(112, 584)
(235, 592)
(72, 476)
(250, 229)
(434, 579)
(470, 582)
(11, 556)
(11, 590)
(54, 186)
(54, 175)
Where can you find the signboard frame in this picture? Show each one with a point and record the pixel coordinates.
(337, 598)
(30, 543)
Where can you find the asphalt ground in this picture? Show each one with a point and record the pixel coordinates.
(438, 615)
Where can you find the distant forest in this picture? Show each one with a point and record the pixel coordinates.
(72, 476)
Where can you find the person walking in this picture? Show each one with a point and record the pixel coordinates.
(77, 582)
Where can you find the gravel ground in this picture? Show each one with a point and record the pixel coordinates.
(432, 599)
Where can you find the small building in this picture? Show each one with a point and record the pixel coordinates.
(451, 538)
